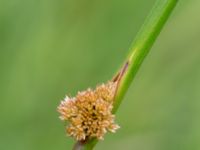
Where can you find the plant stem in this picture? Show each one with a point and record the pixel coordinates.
(139, 49)
(142, 44)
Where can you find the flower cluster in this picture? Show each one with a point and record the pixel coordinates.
(89, 114)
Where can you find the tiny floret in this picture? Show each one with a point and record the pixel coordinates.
(89, 114)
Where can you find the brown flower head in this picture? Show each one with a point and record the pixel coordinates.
(89, 113)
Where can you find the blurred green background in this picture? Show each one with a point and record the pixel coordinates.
(51, 48)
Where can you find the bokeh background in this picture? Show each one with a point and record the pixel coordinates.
(51, 48)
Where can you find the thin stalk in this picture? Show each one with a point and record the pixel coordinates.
(142, 44)
(139, 49)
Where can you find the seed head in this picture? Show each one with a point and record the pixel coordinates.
(89, 114)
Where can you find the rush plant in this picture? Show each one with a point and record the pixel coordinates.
(90, 115)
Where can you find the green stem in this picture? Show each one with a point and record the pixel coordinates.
(139, 49)
(142, 44)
